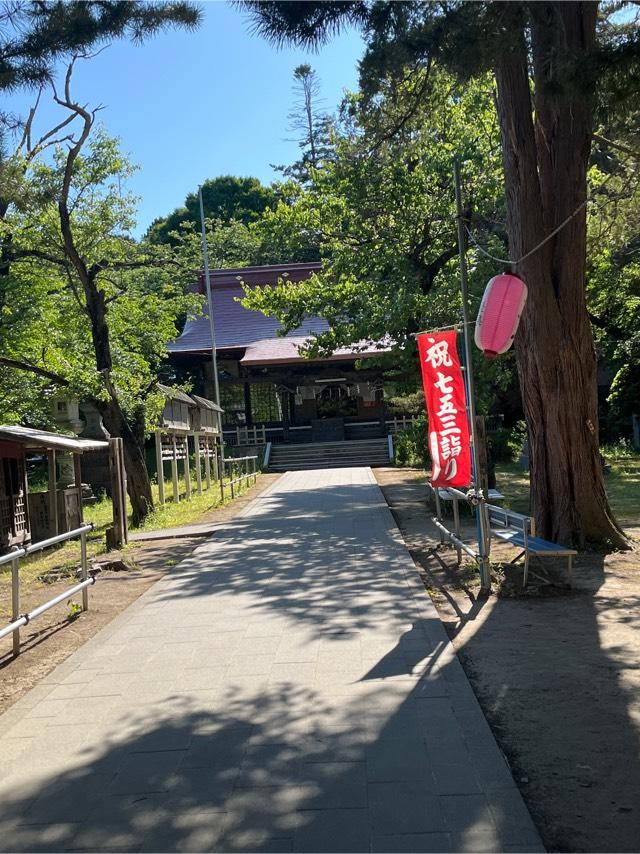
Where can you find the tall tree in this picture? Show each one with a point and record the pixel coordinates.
(550, 65)
(98, 330)
(312, 126)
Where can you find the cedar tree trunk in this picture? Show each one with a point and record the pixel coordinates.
(546, 141)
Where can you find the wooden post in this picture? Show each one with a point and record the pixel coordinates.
(77, 471)
(15, 602)
(174, 470)
(482, 475)
(123, 487)
(217, 464)
(160, 466)
(117, 494)
(196, 448)
(53, 493)
(187, 468)
(221, 470)
(207, 462)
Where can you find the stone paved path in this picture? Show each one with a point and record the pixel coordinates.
(289, 687)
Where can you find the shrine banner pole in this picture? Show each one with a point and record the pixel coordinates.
(481, 516)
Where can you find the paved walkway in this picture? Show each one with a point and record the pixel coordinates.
(289, 687)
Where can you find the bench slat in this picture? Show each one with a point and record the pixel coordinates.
(535, 545)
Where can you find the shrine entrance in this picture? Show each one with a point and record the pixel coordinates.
(337, 400)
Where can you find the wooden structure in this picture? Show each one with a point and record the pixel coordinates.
(14, 511)
(184, 419)
(42, 515)
(265, 379)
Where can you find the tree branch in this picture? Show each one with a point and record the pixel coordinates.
(33, 369)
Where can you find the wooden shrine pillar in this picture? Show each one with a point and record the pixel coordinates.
(196, 448)
(78, 485)
(119, 534)
(52, 493)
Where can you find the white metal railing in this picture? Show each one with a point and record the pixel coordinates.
(242, 473)
(17, 619)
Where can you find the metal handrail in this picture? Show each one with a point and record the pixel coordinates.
(19, 620)
(44, 544)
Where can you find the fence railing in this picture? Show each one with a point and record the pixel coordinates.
(238, 473)
(19, 620)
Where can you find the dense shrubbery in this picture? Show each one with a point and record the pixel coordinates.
(411, 445)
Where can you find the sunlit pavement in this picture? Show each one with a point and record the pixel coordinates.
(289, 687)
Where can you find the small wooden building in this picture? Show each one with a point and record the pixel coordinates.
(25, 517)
(14, 510)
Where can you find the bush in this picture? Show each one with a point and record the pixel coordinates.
(505, 445)
(412, 446)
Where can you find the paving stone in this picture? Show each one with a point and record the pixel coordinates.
(145, 773)
(405, 807)
(397, 759)
(467, 813)
(424, 843)
(331, 830)
(287, 687)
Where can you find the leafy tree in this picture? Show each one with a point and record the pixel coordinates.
(84, 306)
(34, 35)
(383, 215)
(552, 67)
(224, 199)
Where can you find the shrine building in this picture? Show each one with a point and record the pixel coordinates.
(268, 389)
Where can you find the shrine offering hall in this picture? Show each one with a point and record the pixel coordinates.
(266, 383)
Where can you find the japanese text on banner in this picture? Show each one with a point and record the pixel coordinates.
(446, 408)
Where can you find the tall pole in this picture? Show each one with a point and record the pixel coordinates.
(485, 577)
(207, 279)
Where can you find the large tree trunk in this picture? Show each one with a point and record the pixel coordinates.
(138, 483)
(545, 162)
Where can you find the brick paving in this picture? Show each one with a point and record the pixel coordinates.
(288, 687)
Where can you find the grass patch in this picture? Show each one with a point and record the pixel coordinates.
(622, 482)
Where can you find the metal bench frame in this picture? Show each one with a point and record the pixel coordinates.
(517, 522)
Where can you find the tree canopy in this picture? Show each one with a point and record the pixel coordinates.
(556, 67)
(225, 199)
(34, 35)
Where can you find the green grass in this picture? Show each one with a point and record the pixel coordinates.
(622, 482)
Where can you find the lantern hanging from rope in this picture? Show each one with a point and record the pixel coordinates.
(499, 314)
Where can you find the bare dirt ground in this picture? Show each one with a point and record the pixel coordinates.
(51, 638)
(558, 677)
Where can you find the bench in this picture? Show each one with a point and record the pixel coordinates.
(519, 531)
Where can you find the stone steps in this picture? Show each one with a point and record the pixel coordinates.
(325, 455)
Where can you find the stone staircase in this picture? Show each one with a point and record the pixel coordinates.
(330, 455)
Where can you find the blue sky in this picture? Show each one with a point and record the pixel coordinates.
(191, 106)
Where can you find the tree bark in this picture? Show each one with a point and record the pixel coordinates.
(138, 484)
(546, 145)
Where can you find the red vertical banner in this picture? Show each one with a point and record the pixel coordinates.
(447, 409)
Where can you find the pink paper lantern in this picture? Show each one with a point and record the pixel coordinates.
(499, 314)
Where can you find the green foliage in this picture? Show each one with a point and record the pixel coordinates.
(43, 323)
(226, 200)
(613, 283)
(411, 446)
(34, 35)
